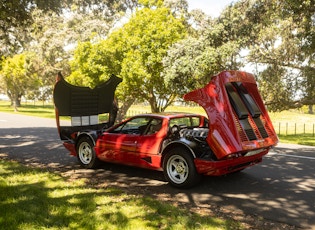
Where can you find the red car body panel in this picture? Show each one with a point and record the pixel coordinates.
(226, 136)
(137, 150)
(129, 149)
(236, 135)
(218, 168)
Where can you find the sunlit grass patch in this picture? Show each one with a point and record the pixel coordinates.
(303, 139)
(36, 199)
(46, 110)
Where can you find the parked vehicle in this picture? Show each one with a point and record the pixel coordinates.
(236, 133)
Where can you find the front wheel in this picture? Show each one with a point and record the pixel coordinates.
(86, 153)
(179, 168)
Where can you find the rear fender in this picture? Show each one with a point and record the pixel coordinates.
(90, 134)
(184, 143)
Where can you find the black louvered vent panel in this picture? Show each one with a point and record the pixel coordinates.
(263, 132)
(241, 111)
(260, 127)
(248, 129)
(239, 128)
(84, 103)
(267, 128)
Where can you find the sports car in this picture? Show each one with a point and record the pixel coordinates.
(236, 133)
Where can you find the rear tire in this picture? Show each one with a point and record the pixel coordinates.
(179, 168)
(86, 153)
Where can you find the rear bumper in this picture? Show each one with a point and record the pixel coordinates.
(222, 167)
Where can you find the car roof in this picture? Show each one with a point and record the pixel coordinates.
(168, 114)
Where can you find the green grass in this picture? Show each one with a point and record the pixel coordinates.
(37, 199)
(301, 139)
(294, 126)
(38, 110)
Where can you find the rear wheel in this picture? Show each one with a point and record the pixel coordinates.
(179, 168)
(86, 153)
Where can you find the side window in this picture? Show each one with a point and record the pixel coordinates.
(154, 126)
(180, 121)
(195, 121)
(185, 121)
(134, 126)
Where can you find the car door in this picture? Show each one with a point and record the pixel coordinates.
(150, 141)
(120, 143)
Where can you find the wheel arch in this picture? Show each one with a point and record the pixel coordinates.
(177, 144)
(91, 135)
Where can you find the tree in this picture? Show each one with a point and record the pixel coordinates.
(149, 34)
(284, 41)
(17, 16)
(53, 31)
(134, 52)
(19, 74)
(50, 38)
(213, 46)
(15, 19)
(277, 88)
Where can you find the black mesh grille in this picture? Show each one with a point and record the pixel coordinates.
(248, 129)
(260, 127)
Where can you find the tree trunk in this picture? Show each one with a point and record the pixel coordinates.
(15, 105)
(310, 109)
(121, 114)
(15, 102)
(153, 105)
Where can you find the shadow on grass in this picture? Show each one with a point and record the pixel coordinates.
(35, 199)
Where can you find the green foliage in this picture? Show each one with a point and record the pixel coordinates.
(275, 89)
(51, 36)
(284, 43)
(153, 53)
(191, 62)
(184, 66)
(134, 52)
(17, 18)
(19, 75)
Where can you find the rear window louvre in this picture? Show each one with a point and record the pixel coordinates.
(247, 99)
(236, 102)
(248, 129)
(251, 106)
(240, 110)
(260, 127)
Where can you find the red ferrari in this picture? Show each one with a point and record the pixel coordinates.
(236, 133)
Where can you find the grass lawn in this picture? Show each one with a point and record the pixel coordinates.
(294, 126)
(39, 110)
(37, 199)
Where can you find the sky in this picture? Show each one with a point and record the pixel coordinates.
(210, 7)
